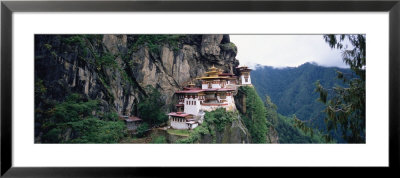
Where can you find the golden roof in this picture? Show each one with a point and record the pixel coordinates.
(213, 73)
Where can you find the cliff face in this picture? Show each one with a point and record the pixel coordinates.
(234, 132)
(247, 101)
(116, 69)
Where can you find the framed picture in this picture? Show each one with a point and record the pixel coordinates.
(77, 76)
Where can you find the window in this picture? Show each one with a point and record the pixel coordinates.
(222, 96)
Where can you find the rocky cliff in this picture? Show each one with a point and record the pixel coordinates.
(116, 69)
(234, 132)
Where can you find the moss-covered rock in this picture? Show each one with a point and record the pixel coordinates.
(220, 126)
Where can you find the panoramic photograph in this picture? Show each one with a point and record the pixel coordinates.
(199, 89)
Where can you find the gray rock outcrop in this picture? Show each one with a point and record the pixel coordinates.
(116, 69)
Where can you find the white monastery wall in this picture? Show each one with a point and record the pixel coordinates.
(190, 108)
(179, 125)
(244, 80)
(216, 86)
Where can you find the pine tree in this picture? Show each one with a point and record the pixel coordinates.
(345, 106)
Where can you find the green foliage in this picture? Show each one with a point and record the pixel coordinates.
(52, 136)
(94, 130)
(219, 118)
(293, 90)
(196, 134)
(106, 59)
(54, 54)
(81, 39)
(229, 46)
(150, 108)
(74, 121)
(73, 109)
(126, 77)
(110, 116)
(39, 87)
(345, 110)
(255, 116)
(214, 121)
(154, 42)
(178, 132)
(142, 129)
(272, 114)
(48, 46)
(289, 132)
(355, 57)
(75, 40)
(102, 58)
(158, 139)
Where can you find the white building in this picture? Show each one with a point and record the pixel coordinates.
(182, 121)
(244, 78)
(217, 91)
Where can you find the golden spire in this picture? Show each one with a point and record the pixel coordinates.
(213, 73)
(191, 84)
(213, 68)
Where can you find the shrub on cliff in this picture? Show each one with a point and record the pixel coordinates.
(74, 121)
(255, 116)
(150, 108)
(214, 121)
(142, 129)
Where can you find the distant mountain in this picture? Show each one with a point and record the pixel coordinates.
(292, 89)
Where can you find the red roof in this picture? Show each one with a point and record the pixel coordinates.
(178, 114)
(193, 90)
(219, 89)
(188, 88)
(201, 90)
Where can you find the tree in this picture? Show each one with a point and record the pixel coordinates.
(142, 129)
(74, 121)
(255, 117)
(345, 106)
(272, 114)
(150, 108)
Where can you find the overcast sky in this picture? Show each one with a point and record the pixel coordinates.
(285, 50)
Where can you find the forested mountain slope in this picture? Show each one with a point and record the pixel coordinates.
(292, 89)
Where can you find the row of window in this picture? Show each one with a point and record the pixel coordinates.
(187, 96)
(190, 102)
(178, 119)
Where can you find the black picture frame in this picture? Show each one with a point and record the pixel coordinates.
(8, 7)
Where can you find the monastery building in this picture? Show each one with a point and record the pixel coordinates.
(217, 91)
